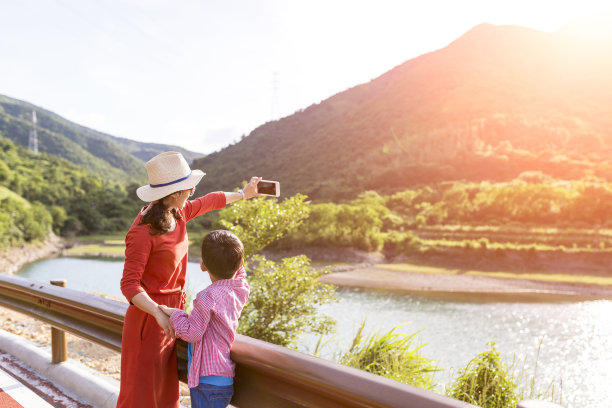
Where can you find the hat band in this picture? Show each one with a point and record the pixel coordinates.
(172, 182)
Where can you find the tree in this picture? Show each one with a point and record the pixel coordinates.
(284, 295)
(260, 221)
(284, 299)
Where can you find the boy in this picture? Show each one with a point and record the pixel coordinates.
(211, 326)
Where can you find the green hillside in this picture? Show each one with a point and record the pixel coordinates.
(497, 102)
(40, 192)
(117, 158)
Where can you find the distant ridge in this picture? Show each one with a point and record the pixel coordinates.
(496, 102)
(116, 158)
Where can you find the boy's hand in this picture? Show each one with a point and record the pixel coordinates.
(167, 310)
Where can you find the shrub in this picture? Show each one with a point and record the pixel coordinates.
(284, 300)
(397, 243)
(260, 221)
(486, 382)
(390, 355)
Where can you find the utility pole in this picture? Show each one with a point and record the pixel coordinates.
(33, 141)
(274, 104)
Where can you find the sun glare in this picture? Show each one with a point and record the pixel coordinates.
(594, 26)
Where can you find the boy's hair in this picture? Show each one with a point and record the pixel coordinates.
(222, 253)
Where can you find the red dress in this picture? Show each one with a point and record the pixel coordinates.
(156, 264)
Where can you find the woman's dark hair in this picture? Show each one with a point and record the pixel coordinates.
(159, 217)
(222, 253)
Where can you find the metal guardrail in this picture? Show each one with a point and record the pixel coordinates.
(267, 375)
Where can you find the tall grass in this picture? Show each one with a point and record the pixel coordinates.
(528, 386)
(486, 382)
(390, 355)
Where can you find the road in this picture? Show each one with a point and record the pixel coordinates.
(22, 387)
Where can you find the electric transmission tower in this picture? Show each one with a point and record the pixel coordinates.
(33, 141)
(274, 104)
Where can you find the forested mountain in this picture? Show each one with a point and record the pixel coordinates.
(497, 102)
(41, 192)
(117, 158)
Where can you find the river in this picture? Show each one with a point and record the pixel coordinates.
(575, 337)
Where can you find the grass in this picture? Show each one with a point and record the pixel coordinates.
(111, 245)
(97, 250)
(113, 239)
(528, 386)
(322, 264)
(485, 382)
(411, 268)
(390, 355)
(544, 277)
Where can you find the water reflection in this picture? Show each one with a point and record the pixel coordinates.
(576, 337)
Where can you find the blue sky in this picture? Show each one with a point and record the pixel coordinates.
(200, 74)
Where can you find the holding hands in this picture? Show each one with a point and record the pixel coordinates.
(164, 322)
(167, 310)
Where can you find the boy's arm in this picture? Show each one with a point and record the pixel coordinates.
(191, 327)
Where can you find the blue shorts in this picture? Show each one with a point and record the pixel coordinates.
(211, 396)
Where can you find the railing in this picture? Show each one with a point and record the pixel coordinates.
(266, 375)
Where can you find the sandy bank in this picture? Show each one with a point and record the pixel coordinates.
(463, 286)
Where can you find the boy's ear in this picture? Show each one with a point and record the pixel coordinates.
(203, 267)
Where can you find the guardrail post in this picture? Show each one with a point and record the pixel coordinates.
(58, 337)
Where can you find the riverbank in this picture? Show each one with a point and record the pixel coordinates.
(516, 278)
(13, 259)
(457, 285)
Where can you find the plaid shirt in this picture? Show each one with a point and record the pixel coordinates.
(211, 326)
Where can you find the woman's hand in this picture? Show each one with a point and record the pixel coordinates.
(164, 322)
(167, 310)
(146, 304)
(250, 190)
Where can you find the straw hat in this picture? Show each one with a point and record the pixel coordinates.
(168, 172)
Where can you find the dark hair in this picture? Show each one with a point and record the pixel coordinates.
(159, 217)
(222, 253)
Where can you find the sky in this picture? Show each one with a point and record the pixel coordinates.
(201, 74)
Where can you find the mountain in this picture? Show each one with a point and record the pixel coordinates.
(116, 158)
(496, 102)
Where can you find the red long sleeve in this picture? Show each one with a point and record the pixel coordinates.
(158, 263)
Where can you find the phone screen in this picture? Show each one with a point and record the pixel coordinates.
(264, 187)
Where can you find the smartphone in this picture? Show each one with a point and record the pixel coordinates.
(270, 188)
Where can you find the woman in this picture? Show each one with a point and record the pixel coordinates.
(154, 273)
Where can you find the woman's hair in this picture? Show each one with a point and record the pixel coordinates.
(159, 217)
